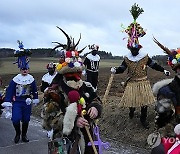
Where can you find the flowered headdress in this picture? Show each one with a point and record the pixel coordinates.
(134, 30)
(173, 55)
(73, 63)
(22, 56)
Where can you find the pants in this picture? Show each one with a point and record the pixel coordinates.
(92, 77)
(21, 112)
(143, 112)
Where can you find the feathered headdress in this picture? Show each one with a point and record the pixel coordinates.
(134, 30)
(73, 63)
(173, 55)
(22, 56)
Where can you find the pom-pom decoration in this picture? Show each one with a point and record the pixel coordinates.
(59, 67)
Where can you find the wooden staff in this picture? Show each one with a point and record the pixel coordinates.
(89, 135)
(108, 88)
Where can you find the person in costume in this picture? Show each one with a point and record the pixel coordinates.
(21, 94)
(91, 63)
(2, 92)
(48, 77)
(168, 91)
(170, 144)
(138, 92)
(77, 105)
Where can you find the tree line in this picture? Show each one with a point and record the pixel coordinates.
(48, 52)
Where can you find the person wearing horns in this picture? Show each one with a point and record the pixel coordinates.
(168, 90)
(138, 92)
(79, 104)
(91, 63)
(21, 94)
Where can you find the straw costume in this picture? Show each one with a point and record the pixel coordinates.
(138, 92)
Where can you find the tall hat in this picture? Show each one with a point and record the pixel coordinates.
(173, 55)
(22, 56)
(134, 30)
(93, 47)
(73, 63)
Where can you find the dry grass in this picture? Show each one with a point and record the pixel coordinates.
(39, 64)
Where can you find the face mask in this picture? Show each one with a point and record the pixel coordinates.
(94, 52)
(51, 71)
(134, 51)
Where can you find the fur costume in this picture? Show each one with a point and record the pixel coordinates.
(168, 91)
(75, 95)
(168, 97)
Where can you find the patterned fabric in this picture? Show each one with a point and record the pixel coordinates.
(137, 69)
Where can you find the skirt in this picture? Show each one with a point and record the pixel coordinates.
(137, 94)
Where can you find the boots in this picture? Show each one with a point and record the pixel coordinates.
(143, 117)
(24, 132)
(18, 132)
(131, 112)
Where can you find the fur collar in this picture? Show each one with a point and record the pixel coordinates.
(160, 84)
(93, 58)
(136, 58)
(23, 80)
(48, 78)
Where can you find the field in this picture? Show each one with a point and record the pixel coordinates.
(114, 122)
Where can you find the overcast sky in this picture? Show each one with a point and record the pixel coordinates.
(99, 21)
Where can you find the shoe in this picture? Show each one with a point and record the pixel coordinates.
(17, 138)
(145, 124)
(25, 139)
(131, 114)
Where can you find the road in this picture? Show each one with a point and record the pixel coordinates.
(38, 141)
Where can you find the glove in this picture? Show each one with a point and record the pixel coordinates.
(167, 73)
(113, 70)
(28, 101)
(35, 101)
(6, 104)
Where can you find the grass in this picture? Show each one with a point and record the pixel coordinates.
(39, 64)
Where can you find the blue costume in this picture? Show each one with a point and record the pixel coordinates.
(22, 92)
(20, 88)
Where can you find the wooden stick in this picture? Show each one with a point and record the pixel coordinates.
(90, 138)
(108, 88)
